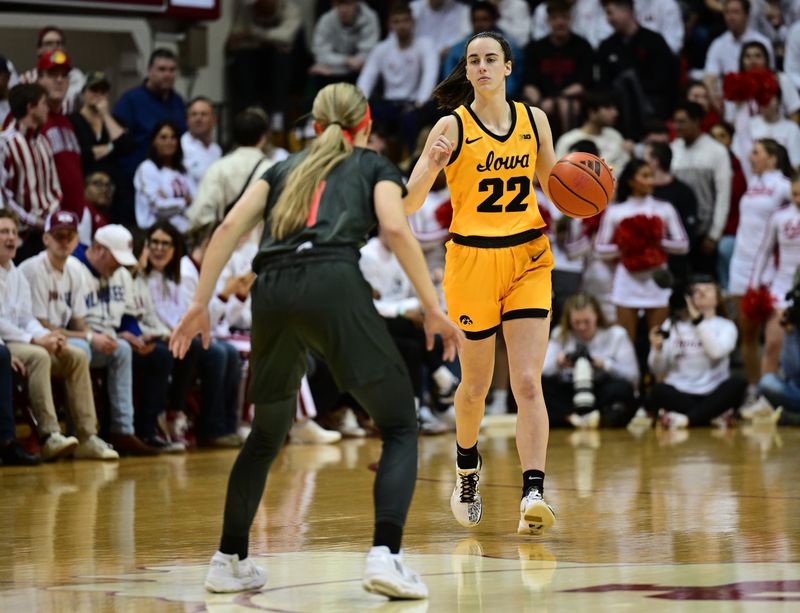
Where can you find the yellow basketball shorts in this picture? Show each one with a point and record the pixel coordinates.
(484, 286)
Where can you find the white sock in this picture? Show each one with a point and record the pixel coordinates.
(500, 398)
(444, 378)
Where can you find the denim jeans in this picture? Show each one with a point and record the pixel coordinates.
(119, 366)
(785, 390)
(724, 255)
(152, 376)
(7, 427)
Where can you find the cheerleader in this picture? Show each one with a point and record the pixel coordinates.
(783, 232)
(767, 190)
(639, 231)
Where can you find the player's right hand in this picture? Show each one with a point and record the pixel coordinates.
(194, 321)
(440, 151)
(436, 322)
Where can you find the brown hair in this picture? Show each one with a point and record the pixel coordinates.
(576, 302)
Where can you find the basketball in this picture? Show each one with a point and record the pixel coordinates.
(581, 184)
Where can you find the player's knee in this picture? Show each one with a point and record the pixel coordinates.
(527, 386)
(473, 392)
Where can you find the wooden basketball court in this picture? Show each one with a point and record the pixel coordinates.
(694, 521)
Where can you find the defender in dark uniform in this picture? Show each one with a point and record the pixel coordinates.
(319, 205)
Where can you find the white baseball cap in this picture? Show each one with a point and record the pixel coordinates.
(118, 241)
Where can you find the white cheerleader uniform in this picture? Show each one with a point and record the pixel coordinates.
(783, 230)
(765, 194)
(638, 290)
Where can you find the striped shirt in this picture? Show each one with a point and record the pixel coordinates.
(30, 185)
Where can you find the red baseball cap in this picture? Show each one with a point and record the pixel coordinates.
(53, 59)
(61, 220)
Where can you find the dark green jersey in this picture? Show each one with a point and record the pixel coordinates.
(343, 215)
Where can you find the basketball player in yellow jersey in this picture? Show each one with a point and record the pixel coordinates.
(498, 266)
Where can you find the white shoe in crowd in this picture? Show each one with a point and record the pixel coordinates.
(588, 421)
(385, 574)
(311, 433)
(641, 420)
(429, 423)
(95, 448)
(57, 446)
(499, 403)
(760, 409)
(446, 384)
(535, 515)
(226, 573)
(348, 425)
(670, 420)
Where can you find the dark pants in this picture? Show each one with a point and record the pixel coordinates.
(700, 409)
(308, 303)
(613, 398)
(219, 369)
(151, 380)
(410, 341)
(7, 427)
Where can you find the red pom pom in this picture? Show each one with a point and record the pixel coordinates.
(758, 304)
(735, 87)
(590, 225)
(639, 240)
(444, 214)
(759, 84)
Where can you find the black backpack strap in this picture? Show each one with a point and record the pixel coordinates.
(245, 186)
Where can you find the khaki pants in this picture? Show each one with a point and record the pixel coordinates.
(73, 366)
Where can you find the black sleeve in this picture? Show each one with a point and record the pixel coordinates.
(585, 61)
(85, 140)
(607, 72)
(270, 176)
(531, 74)
(383, 170)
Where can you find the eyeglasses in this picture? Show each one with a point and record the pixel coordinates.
(155, 244)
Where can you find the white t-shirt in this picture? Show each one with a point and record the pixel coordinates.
(161, 193)
(383, 272)
(561, 258)
(783, 231)
(638, 289)
(765, 194)
(56, 296)
(723, 54)
(610, 144)
(612, 345)
(197, 157)
(444, 27)
(408, 74)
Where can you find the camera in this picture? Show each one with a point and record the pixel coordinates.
(580, 351)
(582, 377)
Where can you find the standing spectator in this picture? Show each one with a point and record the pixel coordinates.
(57, 300)
(407, 67)
(444, 22)
(691, 353)
(639, 64)
(588, 21)
(262, 37)
(343, 38)
(601, 114)
(140, 109)
(11, 452)
(704, 165)
(99, 192)
(678, 194)
(558, 68)
(43, 351)
(199, 149)
(724, 52)
(111, 316)
(697, 91)
(5, 76)
(791, 55)
(227, 178)
(515, 20)
(49, 39)
(54, 70)
(30, 186)
(163, 188)
(767, 123)
(664, 17)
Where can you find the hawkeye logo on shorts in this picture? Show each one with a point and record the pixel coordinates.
(592, 165)
(525, 137)
(465, 320)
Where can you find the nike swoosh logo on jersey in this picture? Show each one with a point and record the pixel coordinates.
(469, 142)
(538, 256)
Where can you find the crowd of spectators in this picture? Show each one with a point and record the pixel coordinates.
(106, 206)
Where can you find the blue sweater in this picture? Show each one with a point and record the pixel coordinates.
(140, 110)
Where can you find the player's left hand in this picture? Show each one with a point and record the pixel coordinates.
(194, 322)
(436, 322)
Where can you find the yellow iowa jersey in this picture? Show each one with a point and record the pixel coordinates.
(491, 177)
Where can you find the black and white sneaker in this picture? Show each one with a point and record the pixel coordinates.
(534, 514)
(465, 503)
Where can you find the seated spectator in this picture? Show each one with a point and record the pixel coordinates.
(484, 18)
(228, 178)
(781, 389)
(117, 340)
(30, 186)
(724, 53)
(261, 39)
(638, 214)
(515, 20)
(588, 21)
(11, 452)
(199, 149)
(396, 302)
(407, 67)
(43, 351)
(343, 38)
(58, 302)
(163, 189)
(50, 39)
(5, 77)
(678, 194)
(431, 227)
(558, 68)
(590, 369)
(444, 22)
(601, 114)
(638, 64)
(690, 354)
(218, 368)
(704, 165)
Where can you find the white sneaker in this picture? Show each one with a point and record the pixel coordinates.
(640, 420)
(671, 420)
(465, 502)
(534, 514)
(226, 573)
(58, 446)
(768, 420)
(429, 423)
(348, 426)
(95, 448)
(448, 418)
(589, 421)
(385, 574)
(761, 407)
(310, 432)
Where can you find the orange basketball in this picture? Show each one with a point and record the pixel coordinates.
(581, 184)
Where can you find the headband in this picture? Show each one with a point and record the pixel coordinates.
(347, 133)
